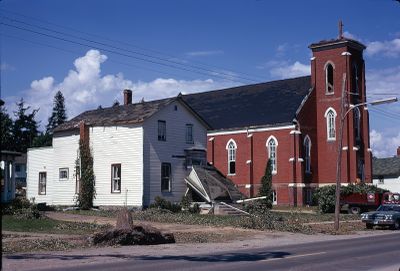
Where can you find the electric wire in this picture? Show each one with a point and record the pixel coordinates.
(220, 74)
(119, 53)
(129, 44)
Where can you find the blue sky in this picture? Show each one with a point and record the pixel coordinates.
(161, 48)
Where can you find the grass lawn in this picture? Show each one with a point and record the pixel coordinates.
(45, 225)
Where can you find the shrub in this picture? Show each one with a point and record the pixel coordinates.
(266, 186)
(325, 198)
(160, 203)
(21, 208)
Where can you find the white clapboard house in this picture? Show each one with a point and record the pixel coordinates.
(140, 151)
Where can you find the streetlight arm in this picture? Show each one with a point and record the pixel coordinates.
(377, 102)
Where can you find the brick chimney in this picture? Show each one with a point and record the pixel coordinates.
(398, 151)
(127, 96)
(84, 132)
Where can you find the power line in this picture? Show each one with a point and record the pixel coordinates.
(78, 53)
(213, 72)
(119, 53)
(121, 42)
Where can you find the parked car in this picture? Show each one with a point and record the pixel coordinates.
(385, 215)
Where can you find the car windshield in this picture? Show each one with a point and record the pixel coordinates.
(389, 208)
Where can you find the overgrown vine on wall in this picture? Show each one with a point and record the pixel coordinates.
(87, 191)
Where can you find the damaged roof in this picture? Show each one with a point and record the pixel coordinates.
(273, 103)
(121, 114)
(386, 167)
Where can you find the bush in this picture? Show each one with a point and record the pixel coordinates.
(21, 208)
(325, 198)
(160, 203)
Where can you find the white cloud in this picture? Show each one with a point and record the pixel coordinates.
(389, 48)
(283, 69)
(84, 88)
(204, 53)
(383, 144)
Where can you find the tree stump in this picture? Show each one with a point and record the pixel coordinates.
(124, 220)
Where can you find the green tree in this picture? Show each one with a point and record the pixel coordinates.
(58, 115)
(6, 132)
(86, 185)
(25, 127)
(266, 186)
(42, 140)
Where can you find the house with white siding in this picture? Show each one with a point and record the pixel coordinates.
(140, 151)
(386, 172)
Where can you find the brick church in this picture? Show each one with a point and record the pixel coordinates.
(295, 123)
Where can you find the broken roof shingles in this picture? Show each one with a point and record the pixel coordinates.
(271, 103)
(122, 114)
(386, 167)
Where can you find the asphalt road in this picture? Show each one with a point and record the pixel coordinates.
(366, 253)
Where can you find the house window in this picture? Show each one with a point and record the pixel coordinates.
(189, 133)
(272, 145)
(329, 78)
(77, 179)
(116, 178)
(63, 174)
(307, 154)
(165, 177)
(274, 197)
(231, 148)
(162, 130)
(330, 116)
(42, 183)
(357, 123)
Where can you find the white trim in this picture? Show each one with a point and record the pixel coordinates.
(247, 186)
(297, 132)
(346, 54)
(229, 141)
(300, 160)
(296, 185)
(355, 149)
(312, 58)
(276, 153)
(369, 150)
(211, 139)
(345, 148)
(252, 130)
(250, 135)
(291, 159)
(327, 124)
(248, 162)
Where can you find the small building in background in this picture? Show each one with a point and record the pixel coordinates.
(386, 172)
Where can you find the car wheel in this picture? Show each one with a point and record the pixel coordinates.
(396, 225)
(369, 226)
(354, 210)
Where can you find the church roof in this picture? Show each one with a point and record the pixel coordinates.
(266, 104)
